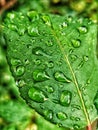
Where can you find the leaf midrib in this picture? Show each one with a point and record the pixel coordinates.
(74, 77)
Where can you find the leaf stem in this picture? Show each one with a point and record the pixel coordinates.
(89, 127)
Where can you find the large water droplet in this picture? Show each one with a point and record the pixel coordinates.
(33, 15)
(46, 20)
(36, 95)
(33, 31)
(39, 51)
(49, 89)
(83, 29)
(76, 43)
(40, 75)
(48, 114)
(61, 116)
(65, 98)
(15, 62)
(59, 76)
(19, 70)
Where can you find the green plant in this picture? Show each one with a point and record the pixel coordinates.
(53, 59)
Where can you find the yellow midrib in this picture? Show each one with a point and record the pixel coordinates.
(74, 78)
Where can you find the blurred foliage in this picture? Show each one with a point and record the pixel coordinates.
(14, 113)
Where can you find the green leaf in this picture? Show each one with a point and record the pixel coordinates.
(54, 62)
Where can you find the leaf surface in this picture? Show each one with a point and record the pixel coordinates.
(53, 59)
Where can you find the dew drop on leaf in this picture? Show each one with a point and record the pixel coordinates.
(65, 98)
(61, 116)
(11, 16)
(33, 15)
(83, 29)
(77, 118)
(73, 57)
(37, 62)
(46, 20)
(60, 77)
(39, 51)
(76, 106)
(49, 89)
(49, 43)
(21, 83)
(15, 62)
(12, 27)
(48, 114)
(40, 75)
(76, 127)
(64, 24)
(21, 30)
(27, 62)
(76, 43)
(33, 31)
(50, 64)
(19, 70)
(36, 95)
(85, 58)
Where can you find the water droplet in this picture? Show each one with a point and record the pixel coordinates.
(80, 64)
(85, 58)
(21, 83)
(21, 30)
(76, 127)
(49, 43)
(29, 46)
(12, 26)
(36, 95)
(37, 61)
(40, 75)
(33, 31)
(64, 24)
(76, 43)
(27, 62)
(59, 76)
(61, 116)
(77, 118)
(49, 89)
(15, 62)
(65, 98)
(83, 29)
(74, 106)
(19, 70)
(50, 64)
(33, 15)
(72, 118)
(48, 114)
(11, 16)
(73, 57)
(39, 51)
(46, 20)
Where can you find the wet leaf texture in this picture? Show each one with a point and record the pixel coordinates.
(53, 60)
